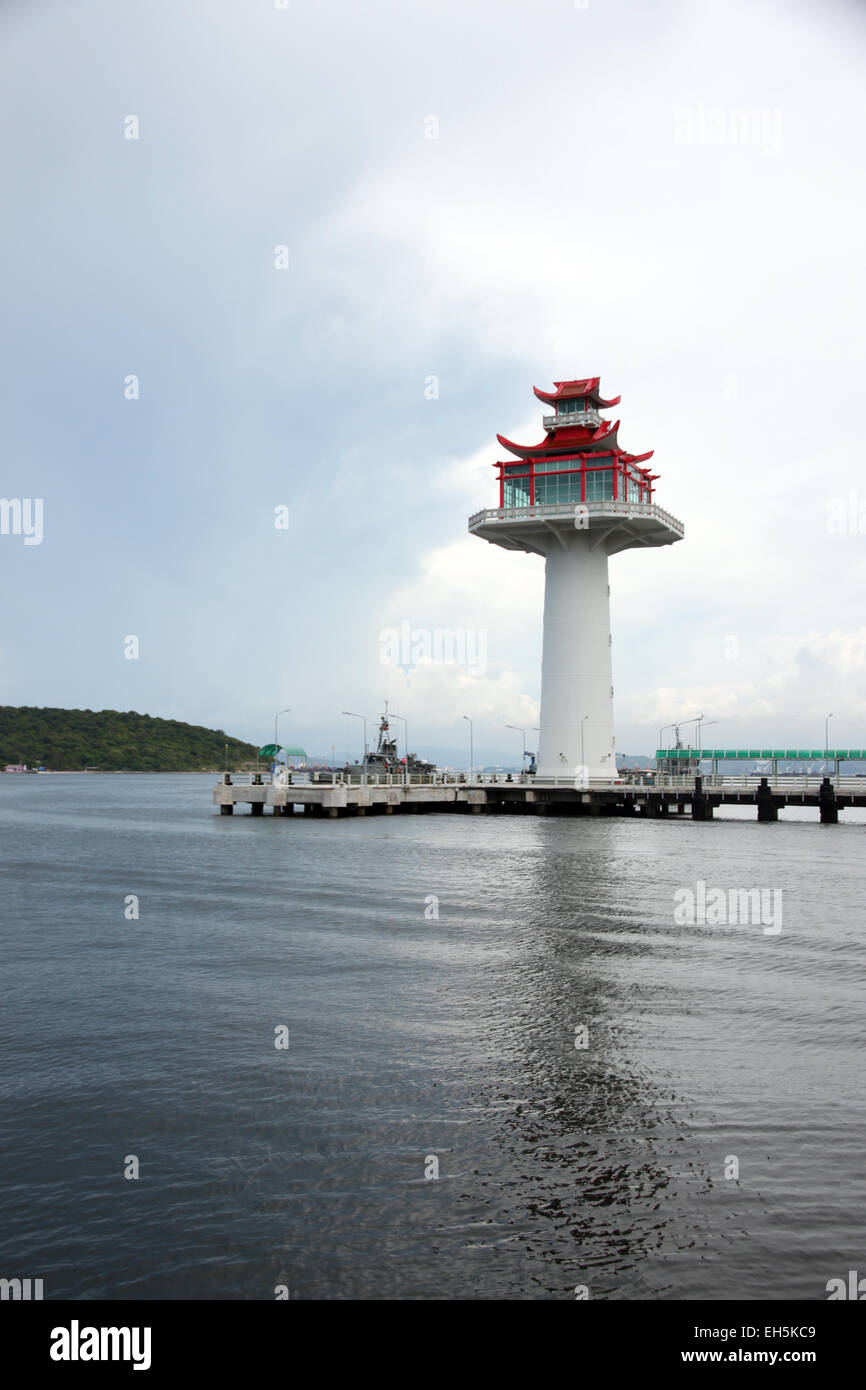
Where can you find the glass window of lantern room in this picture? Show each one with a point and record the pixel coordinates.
(553, 488)
(545, 484)
(599, 485)
(516, 492)
(571, 487)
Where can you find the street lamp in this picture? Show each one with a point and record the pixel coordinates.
(700, 723)
(276, 745)
(518, 730)
(364, 718)
(405, 723)
(583, 776)
(471, 749)
(827, 739)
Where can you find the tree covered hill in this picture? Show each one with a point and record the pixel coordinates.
(68, 740)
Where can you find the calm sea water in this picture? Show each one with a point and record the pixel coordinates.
(415, 1038)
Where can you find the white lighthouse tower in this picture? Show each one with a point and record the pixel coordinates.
(576, 498)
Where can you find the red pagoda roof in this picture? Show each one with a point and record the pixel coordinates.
(567, 390)
(569, 437)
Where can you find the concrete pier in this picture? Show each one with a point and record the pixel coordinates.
(504, 795)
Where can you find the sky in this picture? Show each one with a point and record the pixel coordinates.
(275, 277)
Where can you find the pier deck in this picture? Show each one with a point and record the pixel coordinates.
(502, 795)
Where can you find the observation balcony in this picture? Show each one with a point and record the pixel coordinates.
(614, 525)
(588, 418)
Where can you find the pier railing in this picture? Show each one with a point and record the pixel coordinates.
(381, 779)
(751, 781)
(645, 782)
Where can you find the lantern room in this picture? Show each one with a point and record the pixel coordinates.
(579, 459)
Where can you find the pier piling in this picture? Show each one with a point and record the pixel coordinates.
(827, 803)
(767, 808)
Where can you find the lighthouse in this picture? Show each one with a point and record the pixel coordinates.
(576, 498)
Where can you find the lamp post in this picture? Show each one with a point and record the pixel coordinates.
(700, 723)
(405, 723)
(276, 745)
(518, 730)
(362, 717)
(471, 749)
(827, 740)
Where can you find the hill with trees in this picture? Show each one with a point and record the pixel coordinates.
(68, 740)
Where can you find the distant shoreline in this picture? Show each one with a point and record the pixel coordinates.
(119, 772)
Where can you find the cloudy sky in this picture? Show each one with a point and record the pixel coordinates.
(474, 198)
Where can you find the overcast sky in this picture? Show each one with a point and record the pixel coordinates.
(495, 195)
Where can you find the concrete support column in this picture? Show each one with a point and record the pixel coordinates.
(258, 808)
(701, 807)
(227, 809)
(827, 803)
(576, 701)
(767, 811)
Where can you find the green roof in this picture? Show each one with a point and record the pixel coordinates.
(842, 755)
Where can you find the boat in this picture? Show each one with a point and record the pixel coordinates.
(386, 760)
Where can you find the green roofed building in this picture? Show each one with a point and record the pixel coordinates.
(273, 750)
(687, 760)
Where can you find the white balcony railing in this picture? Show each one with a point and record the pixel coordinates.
(587, 418)
(550, 511)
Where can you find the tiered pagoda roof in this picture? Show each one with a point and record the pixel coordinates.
(569, 390)
(572, 440)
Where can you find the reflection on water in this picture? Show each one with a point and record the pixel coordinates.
(415, 1038)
